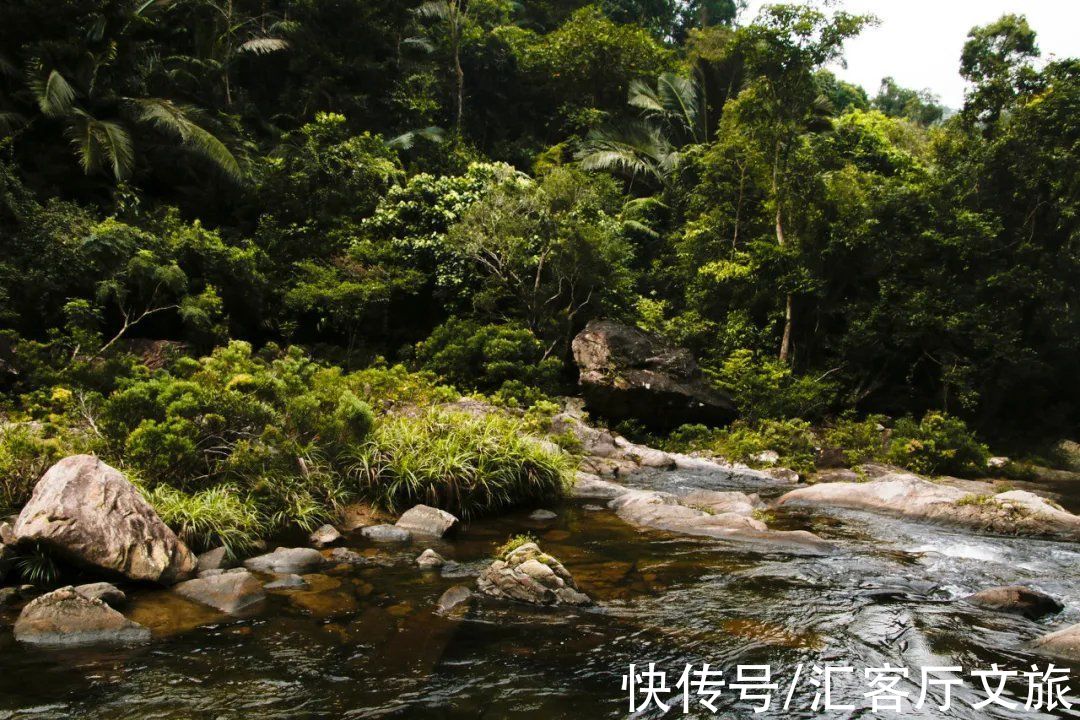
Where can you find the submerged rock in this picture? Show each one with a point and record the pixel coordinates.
(453, 598)
(91, 514)
(425, 520)
(1062, 644)
(530, 575)
(429, 559)
(287, 560)
(386, 534)
(324, 536)
(1017, 599)
(287, 582)
(65, 617)
(103, 591)
(229, 592)
(628, 374)
(1016, 512)
(542, 515)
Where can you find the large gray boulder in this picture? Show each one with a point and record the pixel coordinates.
(229, 592)
(425, 520)
(629, 374)
(1016, 512)
(66, 617)
(88, 512)
(528, 574)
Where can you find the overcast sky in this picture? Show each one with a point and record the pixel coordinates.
(918, 41)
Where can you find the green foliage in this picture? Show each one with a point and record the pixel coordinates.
(37, 566)
(938, 444)
(766, 388)
(488, 358)
(792, 440)
(466, 464)
(860, 440)
(217, 516)
(513, 544)
(27, 450)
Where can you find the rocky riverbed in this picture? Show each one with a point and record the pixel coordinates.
(682, 562)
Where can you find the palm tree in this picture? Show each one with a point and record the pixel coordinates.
(673, 116)
(455, 14)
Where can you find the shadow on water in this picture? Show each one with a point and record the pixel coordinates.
(363, 642)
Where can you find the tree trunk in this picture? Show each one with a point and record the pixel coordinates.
(785, 343)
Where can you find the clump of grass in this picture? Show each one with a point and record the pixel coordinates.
(466, 464)
(209, 518)
(513, 544)
(37, 566)
(763, 515)
(976, 499)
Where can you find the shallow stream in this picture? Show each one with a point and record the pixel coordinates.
(364, 642)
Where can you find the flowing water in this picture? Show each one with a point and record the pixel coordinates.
(364, 642)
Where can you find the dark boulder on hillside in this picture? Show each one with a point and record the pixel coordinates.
(629, 374)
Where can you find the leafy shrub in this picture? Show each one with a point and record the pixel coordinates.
(489, 358)
(859, 440)
(744, 441)
(234, 432)
(766, 388)
(26, 452)
(387, 386)
(513, 544)
(463, 463)
(937, 444)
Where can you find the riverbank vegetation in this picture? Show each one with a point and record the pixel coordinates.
(218, 222)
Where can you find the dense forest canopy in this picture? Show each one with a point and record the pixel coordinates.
(463, 184)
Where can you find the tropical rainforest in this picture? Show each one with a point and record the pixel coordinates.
(235, 232)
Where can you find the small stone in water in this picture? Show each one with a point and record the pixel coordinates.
(287, 582)
(386, 534)
(543, 515)
(429, 559)
(326, 535)
(452, 598)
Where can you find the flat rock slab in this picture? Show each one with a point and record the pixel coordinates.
(1017, 599)
(426, 520)
(386, 534)
(66, 618)
(229, 592)
(287, 560)
(91, 514)
(1061, 644)
(717, 501)
(527, 574)
(1016, 512)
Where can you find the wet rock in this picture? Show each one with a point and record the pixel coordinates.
(289, 581)
(349, 557)
(1061, 644)
(103, 591)
(425, 520)
(587, 485)
(287, 560)
(324, 536)
(230, 592)
(594, 508)
(359, 515)
(216, 559)
(89, 513)
(1016, 512)
(717, 502)
(429, 559)
(628, 374)
(663, 511)
(453, 598)
(221, 571)
(386, 534)
(64, 617)
(542, 515)
(530, 575)
(1017, 599)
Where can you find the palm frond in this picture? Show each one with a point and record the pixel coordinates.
(175, 119)
(10, 122)
(101, 143)
(265, 45)
(406, 140)
(434, 10)
(422, 44)
(55, 96)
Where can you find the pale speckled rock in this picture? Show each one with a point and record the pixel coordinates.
(425, 520)
(287, 560)
(528, 574)
(103, 591)
(89, 512)
(1016, 512)
(230, 592)
(1018, 599)
(429, 559)
(64, 617)
(386, 534)
(325, 536)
